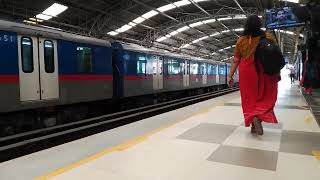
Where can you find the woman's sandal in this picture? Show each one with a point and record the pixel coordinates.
(257, 126)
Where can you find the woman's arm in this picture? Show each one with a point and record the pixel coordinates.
(233, 69)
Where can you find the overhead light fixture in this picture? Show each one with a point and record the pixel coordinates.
(240, 17)
(173, 33)
(166, 7)
(150, 14)
(183, 28)
(132, 24)
(224, 19)
(209, 21)
(196, 24)
(52, 11)
(139, 20)
(124, 28)
(182, 3)
(35, 19)
(113, 33)
(293, 1)
(185, 46)
(29, 22)
(161, 39)
(195, 41)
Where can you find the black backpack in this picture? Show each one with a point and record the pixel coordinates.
(270, 56)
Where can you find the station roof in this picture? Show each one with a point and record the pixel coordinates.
(202, 28)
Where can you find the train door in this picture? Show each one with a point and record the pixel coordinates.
(38, 68)
(157, 66)
(217, 74)
(204, 73)
(186, 74)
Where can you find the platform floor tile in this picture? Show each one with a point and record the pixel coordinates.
(300, 142)
(242, 137)
(255, 158)
(210, 133)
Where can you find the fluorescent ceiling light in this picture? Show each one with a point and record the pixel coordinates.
(150, 14)
(35, 20)
(182, 3)
(139, 20)
(240, 17)
(199, 0)
(132, 24)
(294, 1)
(185, 46)
(52, 11)
(166, 7)
(183, 28)
(30, 22)
(43, 17)
(124, 28)
(195, 24)
(239, 29)
(173, 33)
(113, 33)
(161, 39)
(224, 19)
(225, 31)
(205, 37)
(195, 41)
(215, 34)
(168, 35)
(209, 21)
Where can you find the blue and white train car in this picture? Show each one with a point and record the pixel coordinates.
(42, 67)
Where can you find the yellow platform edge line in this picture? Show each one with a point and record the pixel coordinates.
(120, 147)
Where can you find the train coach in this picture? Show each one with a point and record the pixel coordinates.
(49, 77)
(140, 71)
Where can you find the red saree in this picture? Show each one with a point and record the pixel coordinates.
(258, 91)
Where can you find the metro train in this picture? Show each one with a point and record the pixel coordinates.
(49, 76)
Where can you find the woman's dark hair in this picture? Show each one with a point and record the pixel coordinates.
(252, 26)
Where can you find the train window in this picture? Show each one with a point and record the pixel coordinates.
(194, 68)
(174, 67)
(203, 69)
(27, 54)
(182, 68)
(48, 56)
(141, 65)
(211, 69)
(84, 59)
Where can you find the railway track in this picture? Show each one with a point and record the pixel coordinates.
(25, 143)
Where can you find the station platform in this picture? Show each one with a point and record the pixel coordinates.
(203, 141)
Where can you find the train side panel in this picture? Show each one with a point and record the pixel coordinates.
(173, 74)
(85, 72)
(9, 72)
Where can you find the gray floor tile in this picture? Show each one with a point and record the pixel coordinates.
(247, 157)
(208, 132)
(299, 142)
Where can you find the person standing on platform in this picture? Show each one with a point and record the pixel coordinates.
(292, 74)
(258, 90)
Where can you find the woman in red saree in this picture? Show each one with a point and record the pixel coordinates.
(258, 91)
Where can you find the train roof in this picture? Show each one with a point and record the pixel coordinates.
(49, 32)
(138, 48)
